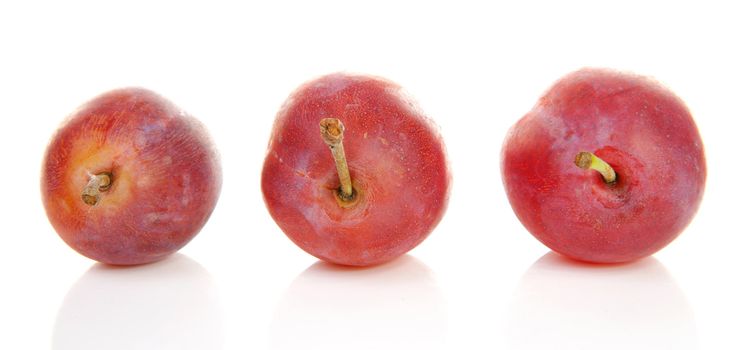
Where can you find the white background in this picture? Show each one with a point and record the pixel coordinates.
(479, 281)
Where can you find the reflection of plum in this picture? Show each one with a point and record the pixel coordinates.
(170, 304)
(383, 307)
(562, 304)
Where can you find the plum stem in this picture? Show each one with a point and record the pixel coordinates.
(97, 183)
(587, 160)
(331, 130)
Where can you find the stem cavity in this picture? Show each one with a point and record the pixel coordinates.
(331, 130)
(97, 183)
(587, 160)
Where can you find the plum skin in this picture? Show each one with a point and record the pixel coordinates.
(397, 161)
(637, 126)
(166, 178)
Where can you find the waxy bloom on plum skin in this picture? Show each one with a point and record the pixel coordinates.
(607, 167)
(355, 174)
(129, 178)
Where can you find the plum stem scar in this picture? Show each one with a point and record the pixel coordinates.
(331, 130)
(587, 160)
(97, 183)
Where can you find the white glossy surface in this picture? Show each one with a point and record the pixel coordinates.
(569, 305)
(170, 305)
(480, 281)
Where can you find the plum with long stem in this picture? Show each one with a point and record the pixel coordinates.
(383, 201)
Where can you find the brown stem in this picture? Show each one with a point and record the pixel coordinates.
(97, 183)
(331, 130)
(587, 160)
